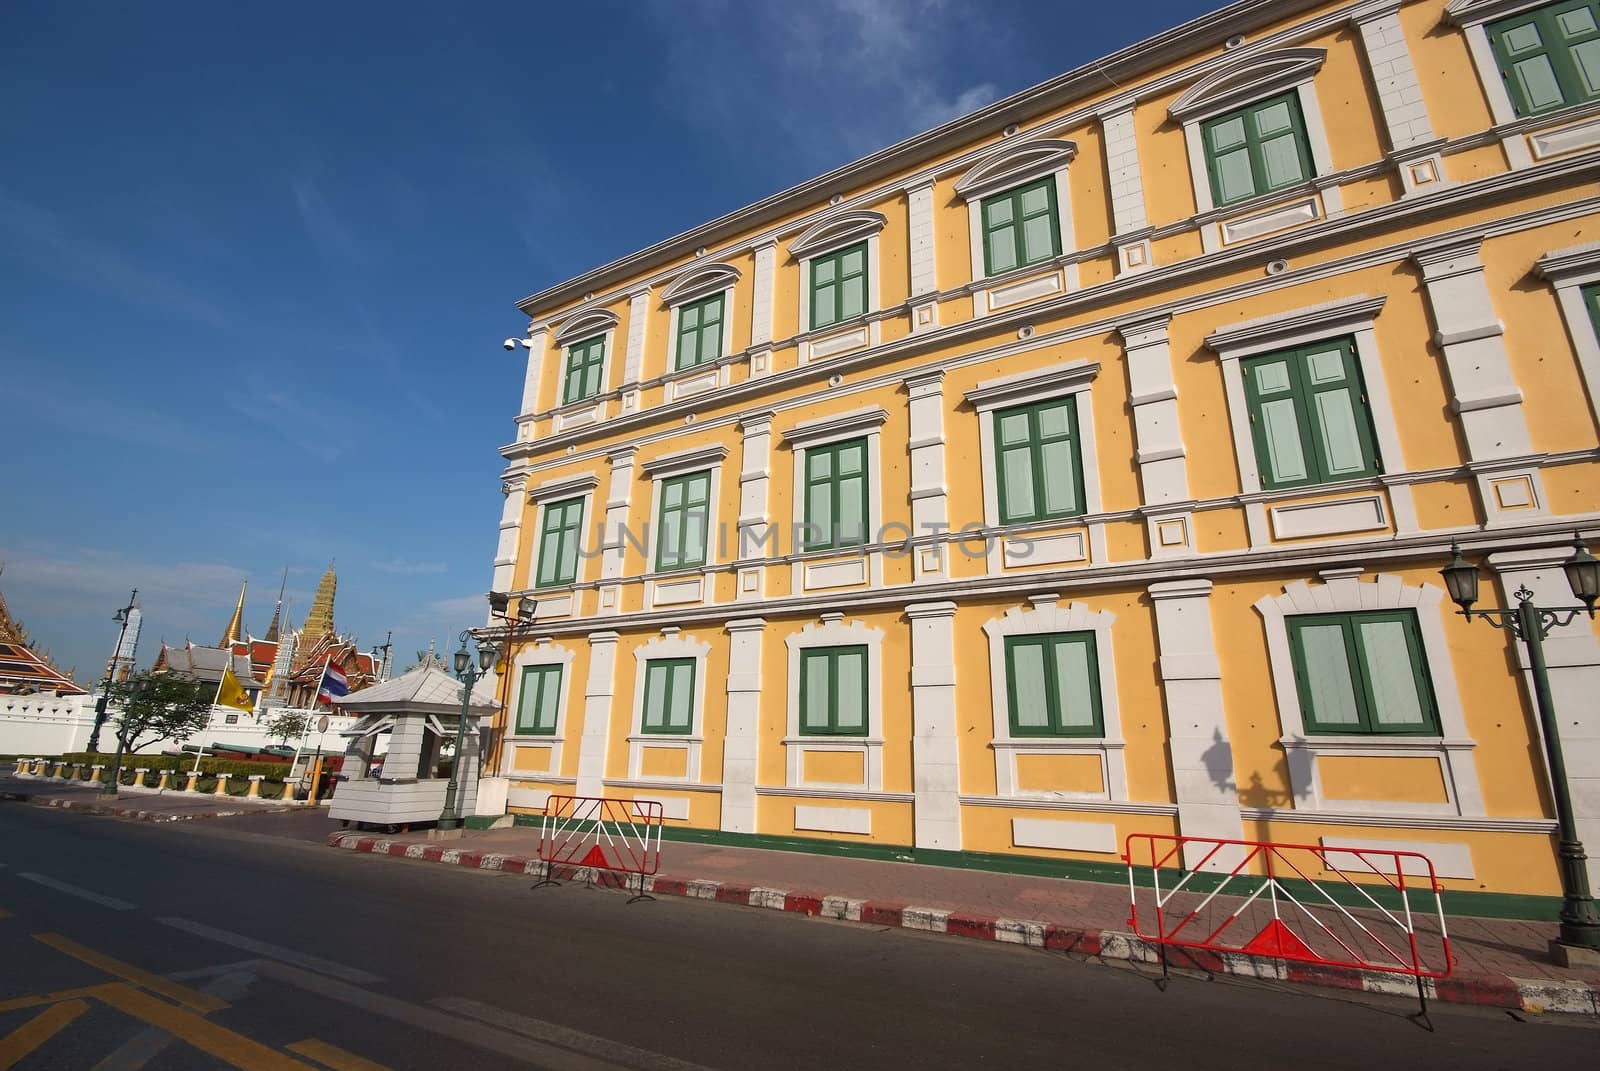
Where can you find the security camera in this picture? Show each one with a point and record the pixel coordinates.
(510, 343)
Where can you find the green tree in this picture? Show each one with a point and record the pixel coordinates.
(159, 706)
(286, 724)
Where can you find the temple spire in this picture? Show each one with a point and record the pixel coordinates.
(319, 622)
(277, 613)
(235, 630)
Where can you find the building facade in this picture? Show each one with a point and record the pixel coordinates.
(1084, 466)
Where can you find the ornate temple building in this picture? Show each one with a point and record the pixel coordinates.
(23, 670)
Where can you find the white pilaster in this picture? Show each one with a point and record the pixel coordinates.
(638, 319)
(1191, 680)
(755, 473)
(1405, 114)
(1484, 395)
(924, 267)
(537, 340)
(614, 544)
(1158, 436)
(1572, 654)
(1130, 225)
(743, 743)
(505, 555)
(763, 280)
(935, 754)
(929, 493)
(597, 692)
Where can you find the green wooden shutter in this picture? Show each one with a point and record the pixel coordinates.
(1309, 417)
(585, 362)
(839, 285)
(539, 701)
(1021, 226)
(668, 696)
(558, 542)
(685, 509)
(1053, 685)
(1040, 461)
(1362, 673)
(1549, 58)
(700, 331)
(836, 495)
(833, 691)
(1257, 149)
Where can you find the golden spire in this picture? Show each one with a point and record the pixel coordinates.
(277, 613)
(235, 630)
(319, 622)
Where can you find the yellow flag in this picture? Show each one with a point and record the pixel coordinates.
(232, 693)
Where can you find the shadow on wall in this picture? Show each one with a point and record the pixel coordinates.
(1218, 760)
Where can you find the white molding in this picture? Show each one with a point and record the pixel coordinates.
(1344, 593)
(935, 733)
(836, 231)
(699, 280)
(564, 487)
(850, 425)
(741, 743)
(855, 230)
(1047, 616)
(1472, 12)
(585, 323)
(1569, 270)
(1157, 423)
(858, 423)
(1014, 164)
(598, 691)
(541, 653)
(1039, 385)
(833, 631)
(724, 343)
(564, 409)
(680, 462)
(1250, 79)
(669, 645)
(692, 585)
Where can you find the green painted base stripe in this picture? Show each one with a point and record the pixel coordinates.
(1466, 902)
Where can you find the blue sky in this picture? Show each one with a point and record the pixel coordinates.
(258, 260)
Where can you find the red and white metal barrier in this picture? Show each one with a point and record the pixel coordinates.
(607, 834)
(1300, 902)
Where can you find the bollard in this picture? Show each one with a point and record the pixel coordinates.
(77, 772)
(255, 786)
(60, 771)
(194, 782)
(38, 767)
(138, 776)
(222, 785)
(166, 781)
(94, 775)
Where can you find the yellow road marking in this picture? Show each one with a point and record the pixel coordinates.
(18, 1003)
(38, 1030)
(235, 1050)
(200, 1002)
(333, 1056)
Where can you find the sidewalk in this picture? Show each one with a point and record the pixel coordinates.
(143, 804)
(1499, 962)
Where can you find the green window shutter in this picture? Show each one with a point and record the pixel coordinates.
(836, 505)
(1021, 226)
(685, 516)
(1257, 149)
(1309, 418)
(1040, 460)
(1362, 673)
(1549, 58)
(558, 542)
(833, 691)
(585, 362)
(839, 285)
(1053, 685)
(668, 696)
(539, 700)
(700, 331)
(1591, 301)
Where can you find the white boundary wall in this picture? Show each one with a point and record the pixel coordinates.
(47, 725)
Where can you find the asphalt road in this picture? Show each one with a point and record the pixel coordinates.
(210, 944)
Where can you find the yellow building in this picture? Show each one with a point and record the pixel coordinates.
(1084, 466)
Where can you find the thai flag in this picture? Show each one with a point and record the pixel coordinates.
(334, 684)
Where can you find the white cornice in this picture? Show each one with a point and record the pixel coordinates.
(1558, 264)
(842, 424)
(1250, 79)
(699, 280)
(1332, 317)
(1056, 379)
(1472, 12)
(1015, 163)
(684, 461)
(560, 488)
(585, 322)
(837, 230)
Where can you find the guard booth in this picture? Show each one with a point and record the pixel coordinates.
(418, 713)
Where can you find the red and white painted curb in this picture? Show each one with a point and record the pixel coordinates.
(1492, 990)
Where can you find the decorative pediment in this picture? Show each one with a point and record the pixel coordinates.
(1471, 12)
(841, 228)
(698, 280)
(1015, 164)
(585, 322)
(1250, 79)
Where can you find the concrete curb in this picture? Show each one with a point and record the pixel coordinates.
(1537, 996)
(130, 812)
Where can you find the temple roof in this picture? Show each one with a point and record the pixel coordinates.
(208, 664)
(22, 669)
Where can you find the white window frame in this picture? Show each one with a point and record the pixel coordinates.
(834, 631)
(580, 327)
(670, 644)
(1569, 271)
(560, 489)
(829, 235)
(1012, 166)
(658, 470)
(1048, 616)
(541, 653)
(696, 283)
(1028, 388)
(1347, 317)
(864, 423)
(1342, 592)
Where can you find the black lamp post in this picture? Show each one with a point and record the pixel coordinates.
(1580, 919)
(468, 675)
(121, 618)
(499, 606)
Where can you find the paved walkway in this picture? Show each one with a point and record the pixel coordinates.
(1083, 916)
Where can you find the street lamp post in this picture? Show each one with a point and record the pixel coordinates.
(121, 618)
(468, 675)
(499, 606)
(1580, 919)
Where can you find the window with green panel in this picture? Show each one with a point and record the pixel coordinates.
(668, 696)
(685, 508)
(1591, 301)
(1021, 227)
(1257, 149)
(836, 495)
(1362, 673)
(1550, 57)
(1309, 415)
(839, 285)
(1040, 460)
(700, 331)
(833, 691)
(539, 701)
(585, 362)
(559, 525)
(1053, 685)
